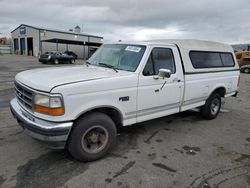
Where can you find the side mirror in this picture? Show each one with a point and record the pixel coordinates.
(163, 73)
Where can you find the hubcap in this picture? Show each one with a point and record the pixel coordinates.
(215, 106)
(247, 70)
(95, 139)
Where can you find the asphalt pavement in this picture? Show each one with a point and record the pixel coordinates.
(181, 150)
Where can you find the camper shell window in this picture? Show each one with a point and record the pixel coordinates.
(202, 59)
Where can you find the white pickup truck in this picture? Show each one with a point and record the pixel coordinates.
(81, 107)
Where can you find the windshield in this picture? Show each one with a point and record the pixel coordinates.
(119, 56)
(53, 52)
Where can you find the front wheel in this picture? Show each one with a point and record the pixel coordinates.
(56, 61)
(212, 107)
(92, 137)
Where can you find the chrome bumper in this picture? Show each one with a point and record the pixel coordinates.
(55, 134)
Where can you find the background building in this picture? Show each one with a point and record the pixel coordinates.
(31, 40)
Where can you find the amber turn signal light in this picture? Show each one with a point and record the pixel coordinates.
(49, 111)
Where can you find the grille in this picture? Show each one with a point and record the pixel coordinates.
(24, 95)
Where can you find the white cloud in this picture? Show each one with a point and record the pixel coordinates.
(220, 20)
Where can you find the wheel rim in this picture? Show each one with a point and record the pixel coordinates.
(215, 106)
(56, 61)
(95, 139)
(247, 70)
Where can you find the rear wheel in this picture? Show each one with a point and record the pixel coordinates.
(246, 70)
(92, 137)
(212, 106)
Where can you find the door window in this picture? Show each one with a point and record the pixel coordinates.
(160, 58)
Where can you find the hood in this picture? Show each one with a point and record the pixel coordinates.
(44, 79)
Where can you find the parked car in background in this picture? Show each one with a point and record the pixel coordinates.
(56, 58)
(71, 53)
(245, 69)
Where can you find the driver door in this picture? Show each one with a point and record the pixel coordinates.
(162, 96)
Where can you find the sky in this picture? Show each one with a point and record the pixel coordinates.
(218, 20)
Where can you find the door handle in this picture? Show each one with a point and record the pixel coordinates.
(176, 80)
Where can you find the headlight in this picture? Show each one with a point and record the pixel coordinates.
(50, 105)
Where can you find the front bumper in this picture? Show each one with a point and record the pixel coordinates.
(45, 60)
(54, 134)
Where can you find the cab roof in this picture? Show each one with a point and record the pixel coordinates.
(187, 44)
(196, 44)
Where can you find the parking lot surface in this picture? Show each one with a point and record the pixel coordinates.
(181, 150)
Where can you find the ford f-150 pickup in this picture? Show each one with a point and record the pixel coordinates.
(81, 107)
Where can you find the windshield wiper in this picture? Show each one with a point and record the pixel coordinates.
(87, 63)
(108, 66)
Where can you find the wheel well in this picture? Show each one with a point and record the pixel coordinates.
(113, 113)
(221, 91)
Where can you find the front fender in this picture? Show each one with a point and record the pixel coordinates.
(99, 104)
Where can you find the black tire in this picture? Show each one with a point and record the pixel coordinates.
(81, 133)
(246, 70)
(43, 62)
(212, 107)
